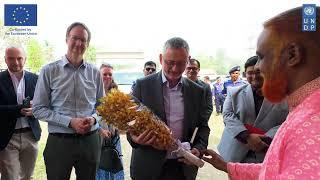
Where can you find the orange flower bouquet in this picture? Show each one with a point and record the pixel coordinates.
(126, 113)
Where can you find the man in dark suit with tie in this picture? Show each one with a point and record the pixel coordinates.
(181, 104)
(19, 130)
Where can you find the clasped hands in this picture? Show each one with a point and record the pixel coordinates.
(82, 125)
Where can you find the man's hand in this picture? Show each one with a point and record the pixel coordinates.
(145, 138)
(82, 125)
(89, 120)
(26, 111)
(104, 133)
(255, 143)
(215, 160)
(195, 152)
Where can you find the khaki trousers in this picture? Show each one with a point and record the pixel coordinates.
(18, 159)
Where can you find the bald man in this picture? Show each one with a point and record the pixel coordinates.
(19, 130)
(289, 62)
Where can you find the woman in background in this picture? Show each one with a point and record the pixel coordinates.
(108, 131)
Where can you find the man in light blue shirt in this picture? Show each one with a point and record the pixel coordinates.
(234, 80)
(66, 97)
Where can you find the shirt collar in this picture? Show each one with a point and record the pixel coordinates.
(295, 98)
(166, 83)
(237, 81)
(65, 61)
(12, 75)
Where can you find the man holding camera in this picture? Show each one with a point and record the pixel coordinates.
(19, 130)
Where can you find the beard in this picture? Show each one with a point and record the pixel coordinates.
(275, 87)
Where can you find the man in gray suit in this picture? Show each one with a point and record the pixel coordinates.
(180, 103)
(251, 121)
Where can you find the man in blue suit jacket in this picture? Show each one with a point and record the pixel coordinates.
(19, 130)
(251, 121)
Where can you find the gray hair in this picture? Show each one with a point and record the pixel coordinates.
(16, 47)
(79, 24)
(176, 42)
(107, 65)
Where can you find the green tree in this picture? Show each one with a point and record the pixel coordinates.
(35, 57)
(48, 50)
(220, 63)
(216, 64)
(91, 55)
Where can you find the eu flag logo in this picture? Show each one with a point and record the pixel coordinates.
(20, 15)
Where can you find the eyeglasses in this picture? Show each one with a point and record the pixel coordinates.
(149, 68)
(177, 63)
(192, 68)
(75, 38)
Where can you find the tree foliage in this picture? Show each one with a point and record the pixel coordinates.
(218, 64)
(48, 50)
(91, 54)
(35, 57)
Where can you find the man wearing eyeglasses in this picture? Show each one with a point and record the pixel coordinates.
(66, 96)
(180, 103)
(192, 71)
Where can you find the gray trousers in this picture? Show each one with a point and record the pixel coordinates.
(18, 159)
(63, 153)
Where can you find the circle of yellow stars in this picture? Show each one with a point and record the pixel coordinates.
(20, 10)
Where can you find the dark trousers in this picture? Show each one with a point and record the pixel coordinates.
(219, 100)
(172, 170)
(64, 152)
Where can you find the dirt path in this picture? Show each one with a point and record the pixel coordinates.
(205, 173)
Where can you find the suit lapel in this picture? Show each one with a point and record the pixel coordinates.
(264, 110)
(9, 84)
(187, 106)
(249, 105)
(158, 93)
(27, 85)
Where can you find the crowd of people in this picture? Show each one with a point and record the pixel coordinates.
(272, 120)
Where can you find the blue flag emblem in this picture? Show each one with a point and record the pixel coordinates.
(20, 15)
(309, 14)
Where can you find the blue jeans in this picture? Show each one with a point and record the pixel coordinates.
(106, 175)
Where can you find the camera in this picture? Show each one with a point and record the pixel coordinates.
(26, 102)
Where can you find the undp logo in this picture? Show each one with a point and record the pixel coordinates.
(309, 17)
(309, 10)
